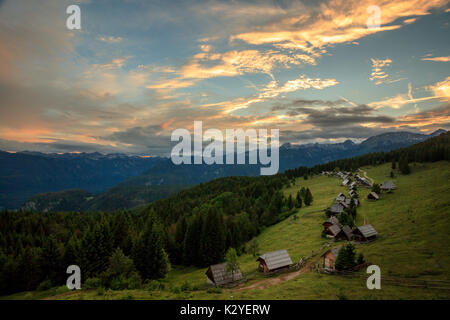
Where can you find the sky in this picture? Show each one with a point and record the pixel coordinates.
(319, 71)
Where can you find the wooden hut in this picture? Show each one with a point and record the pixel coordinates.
(373, 196)
(345, 233)
(340, 197)
(387, 186)
(219, 276)
(329, 258)
(336, 208)
(365, 233)
(333, 230)
(344, 204)
(273, 261)
(355, 201)
(332, 220)
(353, 194)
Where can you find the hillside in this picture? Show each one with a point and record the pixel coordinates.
(26, 174)
(412, 222)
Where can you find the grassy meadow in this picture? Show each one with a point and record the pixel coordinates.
(413, 224)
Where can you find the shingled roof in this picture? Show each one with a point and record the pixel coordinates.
(334, 220)
(276, 259)
(217, 273)
(389, 185)
(367, 231)
(340, 197)
(373, 195)
(334, 229)
(334, 251)
(336, 208)
(348, 231)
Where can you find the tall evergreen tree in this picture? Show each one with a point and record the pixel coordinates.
(212, 244)
(298, 200)
(149, 255)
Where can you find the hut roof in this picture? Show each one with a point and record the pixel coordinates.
(221, 276)
(367, 231)
(336, 208)
(334, 251)
(348, 231)
(340, 197)
(373, 195)
(276, 259)
(333, 220)
(334, 229)
(389, 185)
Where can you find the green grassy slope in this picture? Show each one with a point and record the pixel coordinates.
(413, 224)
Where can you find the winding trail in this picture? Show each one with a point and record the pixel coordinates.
(262, 284)
(367, 177)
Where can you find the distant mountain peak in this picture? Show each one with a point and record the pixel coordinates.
(437, 132)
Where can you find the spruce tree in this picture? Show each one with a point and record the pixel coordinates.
(212, 238)
(149, 255)
(308, 198)
(298, 200)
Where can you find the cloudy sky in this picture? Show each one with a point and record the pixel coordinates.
(139, 69)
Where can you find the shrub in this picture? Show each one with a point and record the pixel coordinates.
(44, 285)
(92, 283)
(214, 290)
(101, 291)
(186, 287)
(134, 281)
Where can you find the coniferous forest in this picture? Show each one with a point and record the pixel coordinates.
(193, 227)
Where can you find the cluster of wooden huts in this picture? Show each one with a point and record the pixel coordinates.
(363, 234)
(341, 203)
(387, 186)
(269, 262)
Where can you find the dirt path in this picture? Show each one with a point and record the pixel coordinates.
(277, 280)
(69, 293)
(367, 177)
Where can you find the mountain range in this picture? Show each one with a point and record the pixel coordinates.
(93, 181)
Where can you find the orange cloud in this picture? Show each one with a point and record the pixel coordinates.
(440, 59)
(337, 21)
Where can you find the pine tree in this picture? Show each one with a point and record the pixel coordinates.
(346, 257)
(298, 200)
(191, 254)
(50, 260)
(290, 203)
(212, 243)
(149, 255)
(308, 198)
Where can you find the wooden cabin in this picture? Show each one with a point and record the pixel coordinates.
(344, 234)
(347, 202)
(333, 230)
(331, 221)
(373, 196)
(387, 186)
(353, 194)
(346, 182)
(340, 197)
(219, 276)
(274, 261)
(344, 204)
(329, 258)
(365, 233)
(336, 208)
